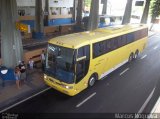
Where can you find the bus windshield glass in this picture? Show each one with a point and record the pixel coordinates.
(60, 63)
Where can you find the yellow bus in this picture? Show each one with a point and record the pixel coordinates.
(76, 61)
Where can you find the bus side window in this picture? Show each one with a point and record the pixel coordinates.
(120, 44)
(113, 44)
(123, 40)
(98, 49)
(82, 65)
(95, 50)
(108, 46)
(81, 52)
(130, 37)
(84, 51)
(144, 33)
(136, 35)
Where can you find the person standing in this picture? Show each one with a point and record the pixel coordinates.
(31, 63)
(43, 60)
(22, 68)
(17, 76)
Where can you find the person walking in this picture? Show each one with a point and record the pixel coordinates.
(43, 60)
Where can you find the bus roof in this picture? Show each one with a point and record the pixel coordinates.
(77, 40)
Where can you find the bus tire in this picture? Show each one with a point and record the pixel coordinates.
(92, 81)
(136, 54)
(131, 57)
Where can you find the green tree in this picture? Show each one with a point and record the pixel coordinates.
(155, 10)
(87, 3)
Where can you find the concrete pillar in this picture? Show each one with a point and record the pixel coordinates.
(11, 43)
(94, 15)
(74, 10)
(79, 12)
(46, 10)
(127, 13)
(39, 20)
(145, 12)
(104, 2)
(0, 16)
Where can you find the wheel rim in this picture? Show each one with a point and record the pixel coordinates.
(130, 58)
(135, 56)
(92, 81)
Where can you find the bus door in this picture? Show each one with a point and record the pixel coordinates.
(82, 67)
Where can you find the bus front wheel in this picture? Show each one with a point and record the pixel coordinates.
(92, 81)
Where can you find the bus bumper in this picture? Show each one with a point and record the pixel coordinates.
(70, 92)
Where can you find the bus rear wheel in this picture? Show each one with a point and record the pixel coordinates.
(131, 57)
(92, 81)
(136, 54)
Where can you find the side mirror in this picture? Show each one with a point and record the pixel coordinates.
(81, 58)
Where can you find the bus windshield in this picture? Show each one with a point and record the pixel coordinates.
(60, 63)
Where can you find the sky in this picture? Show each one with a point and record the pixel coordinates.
(116, 7)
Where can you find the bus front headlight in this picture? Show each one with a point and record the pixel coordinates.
(45, 77)
(69, 87)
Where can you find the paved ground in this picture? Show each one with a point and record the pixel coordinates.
(128, 93)
(10, 95)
